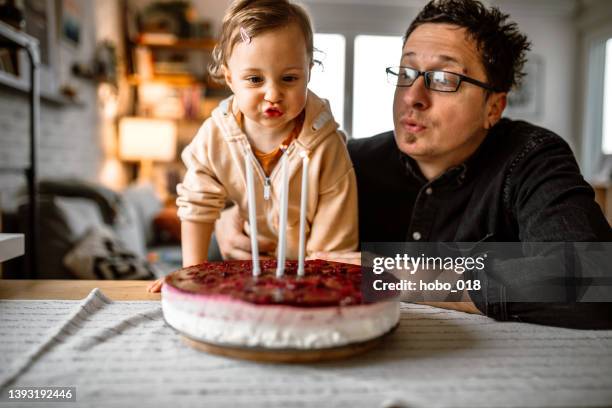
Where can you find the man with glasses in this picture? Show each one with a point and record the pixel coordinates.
(454, 171)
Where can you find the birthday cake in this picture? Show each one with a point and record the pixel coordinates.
(222, 303)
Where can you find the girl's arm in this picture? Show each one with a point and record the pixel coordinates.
(195, 239)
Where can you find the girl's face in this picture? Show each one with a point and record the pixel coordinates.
(269, 77)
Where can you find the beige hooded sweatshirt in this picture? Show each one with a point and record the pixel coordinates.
(215, 161)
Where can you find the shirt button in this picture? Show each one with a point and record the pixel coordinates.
(416, 235)
(428, 191)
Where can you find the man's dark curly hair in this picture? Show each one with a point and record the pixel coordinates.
(502, 46)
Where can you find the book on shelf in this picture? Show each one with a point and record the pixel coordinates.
(143, 58)
(170, 68)
(157, 38)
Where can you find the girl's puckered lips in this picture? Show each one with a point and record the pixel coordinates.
(273, 112)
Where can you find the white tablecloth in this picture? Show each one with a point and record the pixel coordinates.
(120, 354)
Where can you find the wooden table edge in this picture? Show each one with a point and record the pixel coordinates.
(45, 289)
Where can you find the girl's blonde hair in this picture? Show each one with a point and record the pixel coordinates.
(255, 17)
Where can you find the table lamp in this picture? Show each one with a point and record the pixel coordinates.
(147, 140)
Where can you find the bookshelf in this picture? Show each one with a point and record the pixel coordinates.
(167, 53)
(169, 79)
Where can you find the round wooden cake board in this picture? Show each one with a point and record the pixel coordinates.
(295, 356)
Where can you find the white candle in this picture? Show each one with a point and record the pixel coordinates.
(282, 222)
(303, 209)
(248, 164)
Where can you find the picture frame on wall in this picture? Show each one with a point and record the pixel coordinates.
(41, 24)
(71, 17)
(525, 102)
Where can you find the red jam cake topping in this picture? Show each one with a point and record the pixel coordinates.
(323, 284)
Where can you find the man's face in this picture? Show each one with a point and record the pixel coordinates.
(437, 127)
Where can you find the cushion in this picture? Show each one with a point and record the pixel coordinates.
(101, 255)
(147, 204)
(80, 214)
(60, 227)
(68, 208)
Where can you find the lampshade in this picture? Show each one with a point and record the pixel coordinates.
(147, 139)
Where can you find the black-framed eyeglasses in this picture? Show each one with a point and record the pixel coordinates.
(440, 81)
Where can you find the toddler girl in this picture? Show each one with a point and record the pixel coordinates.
(265, 55)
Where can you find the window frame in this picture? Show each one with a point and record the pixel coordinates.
(595, 163)
(344, 110)
(363, 19)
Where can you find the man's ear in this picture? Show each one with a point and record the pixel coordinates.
(227, 75)
(496, 103)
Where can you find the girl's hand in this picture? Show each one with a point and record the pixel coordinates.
(233, 242)
(155, 287)
(345, 257)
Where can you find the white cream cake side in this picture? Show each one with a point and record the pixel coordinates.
(226, 321)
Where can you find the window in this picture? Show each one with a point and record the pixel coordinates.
(607, 101)
(327, 79)
(372, 95)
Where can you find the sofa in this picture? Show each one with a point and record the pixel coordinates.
(88, 231)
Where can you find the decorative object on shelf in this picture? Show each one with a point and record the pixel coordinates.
(143, 62)
(168, 22)
(106, 62)
(69, 91)
(201, 29)
(171, 17)
(103, 68)
(147, 140)
(180, 101)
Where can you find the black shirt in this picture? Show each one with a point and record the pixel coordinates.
(522, 184)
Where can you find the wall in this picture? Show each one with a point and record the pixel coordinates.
(69, 138)
(550, 25)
